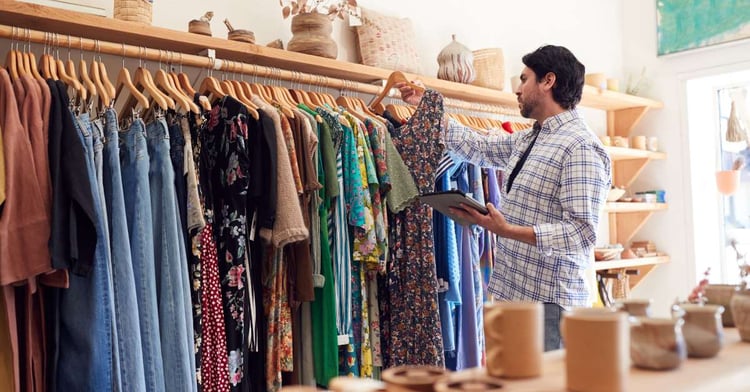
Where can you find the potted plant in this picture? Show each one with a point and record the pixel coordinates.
(312, 24)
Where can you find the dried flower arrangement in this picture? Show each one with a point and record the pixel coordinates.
(332, 8)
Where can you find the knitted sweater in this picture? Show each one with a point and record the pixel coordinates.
(289, 226)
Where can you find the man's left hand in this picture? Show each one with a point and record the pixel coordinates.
(494, 221)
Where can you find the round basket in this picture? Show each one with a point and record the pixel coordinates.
(133, 10)
(489, 65)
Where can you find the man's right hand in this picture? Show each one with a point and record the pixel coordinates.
(408, 94)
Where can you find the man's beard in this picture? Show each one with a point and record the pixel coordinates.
(526, 108)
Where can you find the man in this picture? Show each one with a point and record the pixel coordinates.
(557, 176)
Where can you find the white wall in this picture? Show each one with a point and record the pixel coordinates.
(592, 29)
(673, 230)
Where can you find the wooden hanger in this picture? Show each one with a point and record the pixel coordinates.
(211, 88)
(108, 87)
(239, 89)
(11, 63)
(85, 80)
(161, 80)
(101, 92)
(133, 97)
(34, 69)
(395, 77)
(144, 83)
(81, 92)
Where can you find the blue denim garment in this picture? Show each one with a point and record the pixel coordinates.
(123, 279)
(172, 284)
(87, 357)
(134, 161)
(552, 317)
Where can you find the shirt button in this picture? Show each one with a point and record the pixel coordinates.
(548, 252)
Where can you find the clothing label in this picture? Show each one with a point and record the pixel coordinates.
(252, 226)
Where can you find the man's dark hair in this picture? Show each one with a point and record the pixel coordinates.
(568, 72)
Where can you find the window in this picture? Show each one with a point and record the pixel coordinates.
(735, 225)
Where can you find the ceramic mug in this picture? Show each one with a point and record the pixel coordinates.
(635, 306)
(619, 141)
(514, 334)
(596, 349)
(606, 140)
(657, 343)
(653, 143)
(703, 330)
(639, 142)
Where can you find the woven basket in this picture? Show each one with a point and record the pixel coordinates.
(489, 65)
(133, 10)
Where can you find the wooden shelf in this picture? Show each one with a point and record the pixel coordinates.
(628, 263)
(622, 153)
(644, 266)
(616, 208)
(628, 163)
(55, 20)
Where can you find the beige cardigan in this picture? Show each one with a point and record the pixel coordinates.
(289, 226)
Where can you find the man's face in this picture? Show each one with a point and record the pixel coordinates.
(528, 93)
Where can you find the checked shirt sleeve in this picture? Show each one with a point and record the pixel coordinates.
(490, 151)
(585, 182)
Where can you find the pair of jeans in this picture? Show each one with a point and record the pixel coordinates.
(87, 353)
(552, 316)
(134, 168)
(177, 153)
(173, 290)
(123, 278)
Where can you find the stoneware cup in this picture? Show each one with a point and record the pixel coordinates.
(639, 142)
(514, 334)
(741, 312)
(721, 294)
(597, 347)
(637, 307)
(412, 378)
(704, 333)
(657, 343)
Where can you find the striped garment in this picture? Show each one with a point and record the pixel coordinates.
(560, 192)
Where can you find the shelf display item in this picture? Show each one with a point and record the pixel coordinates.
(456, 63)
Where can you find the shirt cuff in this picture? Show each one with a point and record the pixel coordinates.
(545, 238)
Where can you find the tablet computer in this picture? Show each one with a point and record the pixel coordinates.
(442, 201)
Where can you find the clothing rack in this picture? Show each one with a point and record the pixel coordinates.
(20, 36)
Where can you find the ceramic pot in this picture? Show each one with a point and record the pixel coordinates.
(311, 34)
(721, 294)
(703, 331)
(740, 305)
(456, 63)
(727, 181)
(657, 343)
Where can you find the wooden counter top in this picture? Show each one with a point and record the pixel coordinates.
(727, 372)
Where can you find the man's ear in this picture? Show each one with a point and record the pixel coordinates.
(549, 81)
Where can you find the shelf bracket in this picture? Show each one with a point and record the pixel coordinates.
(621, 122)
(624, 172)
(623, 226)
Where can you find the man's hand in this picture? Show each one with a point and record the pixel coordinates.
(494, 221)
(408, 94)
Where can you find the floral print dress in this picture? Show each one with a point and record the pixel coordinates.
(224, 176)
(414, 331)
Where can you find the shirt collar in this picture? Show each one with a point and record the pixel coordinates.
(557, 121)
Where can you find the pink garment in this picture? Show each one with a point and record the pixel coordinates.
(214, 362)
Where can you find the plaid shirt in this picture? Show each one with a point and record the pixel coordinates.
(559, 192)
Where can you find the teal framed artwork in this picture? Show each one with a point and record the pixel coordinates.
(689, 24)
